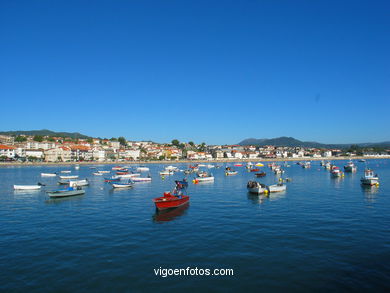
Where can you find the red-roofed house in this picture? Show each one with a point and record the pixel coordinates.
(7, 151)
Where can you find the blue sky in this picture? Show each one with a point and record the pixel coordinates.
(212, 71)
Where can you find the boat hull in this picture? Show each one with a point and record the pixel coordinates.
(370, 181)
(66, 193)
(163, 203)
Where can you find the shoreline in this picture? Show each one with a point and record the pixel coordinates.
(20, 164)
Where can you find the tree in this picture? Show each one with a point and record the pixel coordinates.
(175, 142)
(113, 139)
(51, 139)
(90, 140)
(122, 141)
(20, 138)
(191, 143)
(38, 138)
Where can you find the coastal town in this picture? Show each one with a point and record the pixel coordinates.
(37, 148)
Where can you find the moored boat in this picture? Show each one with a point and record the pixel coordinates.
(142, 169)
(336, 172)
(369, 178)
(48, 174)
(66, 171)
(112, 179)
(75, 183)
(142, 179)
(277, 187)
(261, 174)
(70, 191)
(28, 187)
(255, 170)
(69, 177)
(257, 187)
(98, 174)
(350, 167)
(122, 184)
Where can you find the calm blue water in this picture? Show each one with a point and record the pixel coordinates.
(322, 234)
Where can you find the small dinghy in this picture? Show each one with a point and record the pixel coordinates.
(142, 179)
(98, 174)
(122, 185)
(112, 179)
(48, 174)
(70, 191)
(28, 187)
(231, 173)
(69, 177)
(104, 172)
(142, 169)
(66, 171)
(75, 183)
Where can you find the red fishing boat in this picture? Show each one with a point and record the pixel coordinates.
(255, 170)
(170, 200)
(237, 165)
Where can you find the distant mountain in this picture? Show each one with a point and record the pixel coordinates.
(45, 132)
(292, 142)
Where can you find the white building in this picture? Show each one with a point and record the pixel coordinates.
(34, 153)
(7, 151)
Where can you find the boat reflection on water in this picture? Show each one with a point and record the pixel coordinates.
(170, 214)
(261, 198)
(64, 199)
(370, 192)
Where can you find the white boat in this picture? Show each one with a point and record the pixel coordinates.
(210, 166)
(48, 174)
(98, 174)
(75, 183)
(121, 185)
(249, 165)
(66, 171)
(230, 173)
(142, 179)
(27, 187)
(277, 187)
(306, 165)
(131, 175)
(166, 172)
(278, 170)
(69, 177)
(142, 169)
(328, 165)
(257, 187)
(203, 179)
(104, 172)
(70, 191)
(77, 167)
(201, 165)
(369, 178)
(350, 167)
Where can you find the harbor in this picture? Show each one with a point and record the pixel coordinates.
(319, 225)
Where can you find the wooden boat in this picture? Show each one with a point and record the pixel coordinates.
(48, 174)
(277, 187)
(369, 178)
(69, 177)
(350, 167)
(170, 200)
(122, 185)
(255, 170)
(27, 187)
(104, 172)
(261, 174)
(257, 187)
(237, 165)
(70, 191)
